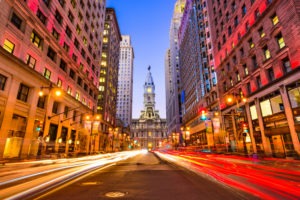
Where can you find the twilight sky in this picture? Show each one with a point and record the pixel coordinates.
(148, 23)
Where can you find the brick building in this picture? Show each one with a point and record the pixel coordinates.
(48, 45)
(256, 51)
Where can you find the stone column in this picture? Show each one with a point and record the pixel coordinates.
(290, 118)
(250, 125)
(30, 123)
(265, 140)
(8, 113)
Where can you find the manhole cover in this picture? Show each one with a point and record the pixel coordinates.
(115, 194)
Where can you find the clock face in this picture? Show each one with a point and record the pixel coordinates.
(149, 90)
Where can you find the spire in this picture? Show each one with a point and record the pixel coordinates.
(149, 79)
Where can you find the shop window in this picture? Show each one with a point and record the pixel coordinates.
(253, 112)
(294, 96)
(8, 46)
(266, 108)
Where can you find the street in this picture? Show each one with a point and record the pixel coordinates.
(140, 174)
(144, 177)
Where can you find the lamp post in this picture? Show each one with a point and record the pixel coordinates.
(230, 100)
(186, 133)
(92, 119)
(42, 134)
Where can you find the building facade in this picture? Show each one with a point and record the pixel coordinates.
(108, 80)
(125, 81)
(149, 131)
(172, 76)
(199, 96)
(256, 50)
(48, 45)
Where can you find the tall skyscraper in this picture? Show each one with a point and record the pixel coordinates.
(172, 76)
(48, 45)
(125, 81)
(197, 76)
(256, 49)
(108, 81)
(149, 131)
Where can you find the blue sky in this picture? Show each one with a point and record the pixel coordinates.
(148, 23)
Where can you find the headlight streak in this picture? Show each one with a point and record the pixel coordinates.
(256, 181)
(87, 167)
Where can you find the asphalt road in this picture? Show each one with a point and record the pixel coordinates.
(144, 177)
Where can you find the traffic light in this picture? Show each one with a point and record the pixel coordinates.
(203, 114)
(245, 127)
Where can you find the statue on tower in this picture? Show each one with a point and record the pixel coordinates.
(149, 68)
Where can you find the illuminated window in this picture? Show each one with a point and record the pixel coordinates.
(101, 79)
(280, 41)
(105, 40)
(246, 71)
(30, 61)
(275, 19)
(47, 73)
(8, 46)
(77, 96)
(105, 32)
(78, 29)
(253, 112)
(101, 88)
(84, 41)
(59, 83)
(69, 90)
(266, 108)
(103, 63)
(73, 2)
(267, 52)
(36, 39)
(104, 55)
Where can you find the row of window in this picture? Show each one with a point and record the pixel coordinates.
(285, 67)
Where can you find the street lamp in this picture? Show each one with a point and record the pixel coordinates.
(186, 134)
(235, 99)
(92, 119)
(41, 94)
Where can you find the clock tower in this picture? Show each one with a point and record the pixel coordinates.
(149, 131)
(149, 96)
